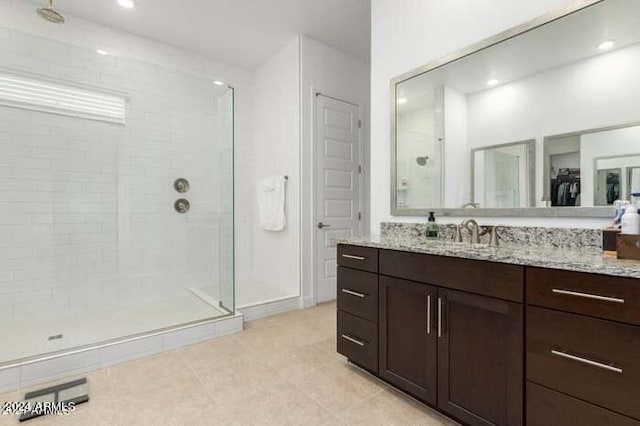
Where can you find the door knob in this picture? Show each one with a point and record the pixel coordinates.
(322, 225)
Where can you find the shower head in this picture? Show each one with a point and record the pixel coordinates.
(422, 161)
(51, 14)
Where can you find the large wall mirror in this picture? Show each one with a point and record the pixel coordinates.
(542, 120)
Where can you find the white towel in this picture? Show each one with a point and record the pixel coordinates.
(271, 203)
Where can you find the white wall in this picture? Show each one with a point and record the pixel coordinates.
(331, 72)
(273, 272)
(409, 33)
(457, 156)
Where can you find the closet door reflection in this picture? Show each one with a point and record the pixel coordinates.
(608, 187)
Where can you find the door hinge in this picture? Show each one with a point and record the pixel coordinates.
(359, 124)
(359, 215)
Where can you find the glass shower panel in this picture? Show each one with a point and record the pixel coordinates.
(96, 242)
(226, 268)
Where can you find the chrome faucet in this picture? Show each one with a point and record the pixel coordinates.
(472, 205)
(474, 228)
(494, 238)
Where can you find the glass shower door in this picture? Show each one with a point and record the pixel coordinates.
(116, 197)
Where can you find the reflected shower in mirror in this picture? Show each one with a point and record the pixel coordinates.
(419, 164)
(503, 176)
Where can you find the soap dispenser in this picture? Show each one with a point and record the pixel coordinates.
(432, 227)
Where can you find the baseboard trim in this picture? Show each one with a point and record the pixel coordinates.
(266, 309)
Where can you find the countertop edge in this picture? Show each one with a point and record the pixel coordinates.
(571, 260)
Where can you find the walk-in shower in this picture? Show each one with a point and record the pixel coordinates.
(116, 197)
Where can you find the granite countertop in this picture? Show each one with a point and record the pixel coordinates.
(589, 260)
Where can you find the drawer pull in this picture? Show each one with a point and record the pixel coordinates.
(353, 340)
(354, 293)
(428, 314)
(439, 317)
(350, 256)
(587, 295)
(586, 361)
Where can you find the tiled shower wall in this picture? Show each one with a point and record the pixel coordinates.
(86, 208)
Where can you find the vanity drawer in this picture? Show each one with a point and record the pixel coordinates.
(486, 278)
(601, 296)
(358, 293)
(358, 340)
(595, 360)
(547, 407)
(356, 257)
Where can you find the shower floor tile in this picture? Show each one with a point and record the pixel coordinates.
(280, 370)
(29, 337)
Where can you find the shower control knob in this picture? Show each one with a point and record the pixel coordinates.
(181, 185)
(182, 206)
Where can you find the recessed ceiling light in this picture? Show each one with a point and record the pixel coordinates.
(402, 101)
(127, 4)
(102, 52)
(492, 82)
(606, 45)
(218, 83)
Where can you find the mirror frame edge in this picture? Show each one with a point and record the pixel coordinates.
(578, 212)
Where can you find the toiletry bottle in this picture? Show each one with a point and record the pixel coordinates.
(432, 227)
(631, 221)
(617, 219)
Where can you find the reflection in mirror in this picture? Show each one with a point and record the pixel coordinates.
(607, 186)
(592, 168)
(634, 180)
(566, 78)
(419, 151)
(504, 176)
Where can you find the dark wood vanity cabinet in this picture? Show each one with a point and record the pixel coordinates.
(583, 348)
(357, 301)
(452, 333)
(408, 337)
(446, 335)
(480, 358)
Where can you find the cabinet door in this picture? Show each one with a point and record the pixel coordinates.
(407, 340)
(480, 358)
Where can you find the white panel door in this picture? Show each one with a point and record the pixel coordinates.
(338, 185)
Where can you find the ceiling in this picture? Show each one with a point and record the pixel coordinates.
(239, 32)
(562, 42)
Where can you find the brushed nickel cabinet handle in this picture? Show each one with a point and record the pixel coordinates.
(439, 317)
(350, 256)
(586, 361)
(354, 293)
(353, 340)
(428, 314)
(587, 295)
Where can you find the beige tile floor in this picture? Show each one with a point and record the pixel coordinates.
(282, 370)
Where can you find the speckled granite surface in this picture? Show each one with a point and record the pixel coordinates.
(588, 259)
(521, 235)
